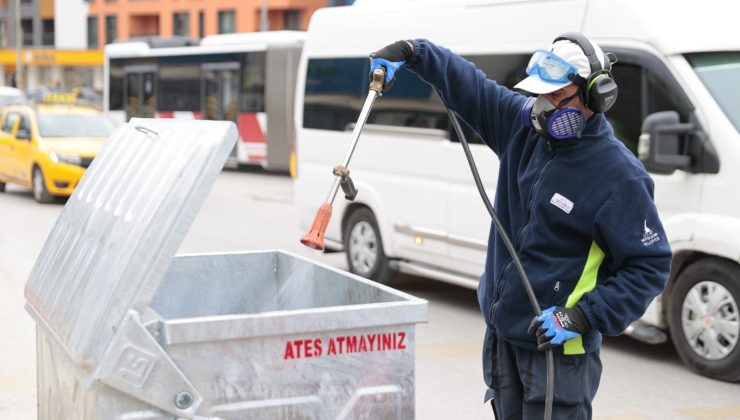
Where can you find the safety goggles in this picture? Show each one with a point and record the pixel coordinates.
(550, 68)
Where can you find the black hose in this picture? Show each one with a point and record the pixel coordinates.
(550, 387)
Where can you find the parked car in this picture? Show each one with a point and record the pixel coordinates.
(47, 147)
(11, 95)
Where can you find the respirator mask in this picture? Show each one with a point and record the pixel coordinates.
(553, 122)
(550, 121)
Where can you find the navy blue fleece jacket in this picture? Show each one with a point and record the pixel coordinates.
(580, 212)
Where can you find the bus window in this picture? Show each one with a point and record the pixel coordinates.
(179, 87)
(140, 91)
(252, 92)
(221, 89)
(115, 85)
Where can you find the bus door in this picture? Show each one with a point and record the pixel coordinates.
(221, 92)
(140, 87)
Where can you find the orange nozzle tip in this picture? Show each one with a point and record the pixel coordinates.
(319, 246)
(315, 237)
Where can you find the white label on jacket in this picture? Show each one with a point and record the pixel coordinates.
(562, 203)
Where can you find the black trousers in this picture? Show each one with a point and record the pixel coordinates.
(519, 377)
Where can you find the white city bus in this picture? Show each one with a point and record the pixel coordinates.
(418, 211)
(239, 77)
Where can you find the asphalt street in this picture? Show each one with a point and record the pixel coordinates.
(252, 210)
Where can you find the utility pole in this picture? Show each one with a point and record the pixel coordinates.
(20, 82)
(264, 22)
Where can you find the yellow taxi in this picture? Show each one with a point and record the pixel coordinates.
(47, 147)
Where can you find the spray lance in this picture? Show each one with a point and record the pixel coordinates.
(315, 236)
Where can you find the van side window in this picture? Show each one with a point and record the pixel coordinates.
(641, 92)
(411, 103)
(336, 90)
(506, 69)
(9, 122)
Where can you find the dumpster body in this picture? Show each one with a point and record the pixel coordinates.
(126, 330)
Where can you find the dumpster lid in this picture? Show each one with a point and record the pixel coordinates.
(118, 233)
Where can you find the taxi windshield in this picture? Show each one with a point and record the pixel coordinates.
(720, 71)
(75, 125)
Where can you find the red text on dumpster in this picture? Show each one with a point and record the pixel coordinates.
(316, 347)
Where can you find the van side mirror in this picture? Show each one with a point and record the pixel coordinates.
(22, 134)
(667, 144)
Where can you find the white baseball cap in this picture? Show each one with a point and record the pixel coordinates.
(570, 52)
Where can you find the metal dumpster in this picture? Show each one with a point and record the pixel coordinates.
(126, 330)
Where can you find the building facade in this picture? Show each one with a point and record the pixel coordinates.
(110, 20)
(63, 40)
(54, 48)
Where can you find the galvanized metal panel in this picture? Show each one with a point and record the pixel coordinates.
(259, 335)
(120, 230)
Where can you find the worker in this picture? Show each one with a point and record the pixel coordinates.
(578, 206)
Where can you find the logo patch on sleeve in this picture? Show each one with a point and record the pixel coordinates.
(562, 203)
(649, 236)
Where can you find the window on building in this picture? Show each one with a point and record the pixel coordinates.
(92, 32)
(47, 32)
(341, 2)
(144, 25)
(201, 24)
(226, 22)
(292, 19)
(110, 29)
(181, 24)
(27, 28)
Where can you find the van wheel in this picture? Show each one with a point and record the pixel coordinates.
(40, 193)
(364, 247)
(704, 319)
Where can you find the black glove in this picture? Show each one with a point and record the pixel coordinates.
(391, 58)
(556, 325)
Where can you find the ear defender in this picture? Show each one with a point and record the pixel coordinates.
(600, 91)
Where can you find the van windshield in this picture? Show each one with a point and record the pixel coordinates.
(720, 71)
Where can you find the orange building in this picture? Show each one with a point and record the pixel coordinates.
(109, 20)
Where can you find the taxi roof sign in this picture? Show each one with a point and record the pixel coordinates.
(62, 97)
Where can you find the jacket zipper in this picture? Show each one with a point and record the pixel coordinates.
(532, 193)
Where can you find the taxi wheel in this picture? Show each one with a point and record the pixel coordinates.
(40, 193)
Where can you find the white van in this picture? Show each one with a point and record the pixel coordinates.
(418, 210)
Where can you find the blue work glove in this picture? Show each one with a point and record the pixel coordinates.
(556, 325)
(391, 57)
